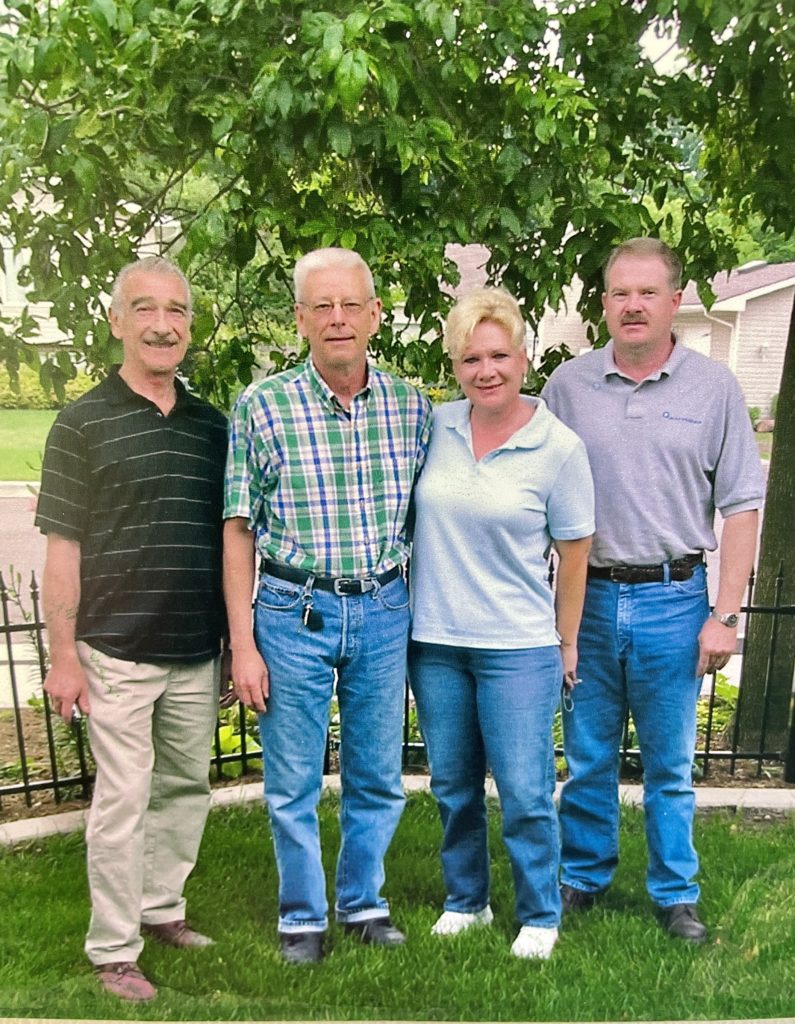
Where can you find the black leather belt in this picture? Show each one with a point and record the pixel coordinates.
(342, 586)
(679, 569)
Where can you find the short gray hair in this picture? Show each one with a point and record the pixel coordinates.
(495, 304)
(147, 265)
(648, 247)
(323, 259)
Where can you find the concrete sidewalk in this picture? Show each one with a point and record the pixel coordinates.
(776, 801)
(18, 488)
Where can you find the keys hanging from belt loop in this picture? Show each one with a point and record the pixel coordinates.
(310, 618)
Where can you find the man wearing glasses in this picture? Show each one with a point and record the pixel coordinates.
(322, 461)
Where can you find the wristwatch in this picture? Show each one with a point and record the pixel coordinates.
(730, 619)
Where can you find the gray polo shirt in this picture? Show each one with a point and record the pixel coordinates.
(665, 453)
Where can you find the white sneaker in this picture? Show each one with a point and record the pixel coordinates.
(451, 922)
(535, 943)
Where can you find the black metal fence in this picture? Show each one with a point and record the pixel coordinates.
(41, 759)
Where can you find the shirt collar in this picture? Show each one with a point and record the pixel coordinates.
(119, 391)
(671, 364)
(531, 435)
(324, 392)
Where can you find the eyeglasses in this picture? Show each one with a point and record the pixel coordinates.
(322, 310)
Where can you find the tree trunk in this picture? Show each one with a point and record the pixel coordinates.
(767, 686)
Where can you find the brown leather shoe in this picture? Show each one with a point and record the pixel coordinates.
(177, 934)
(125, 980)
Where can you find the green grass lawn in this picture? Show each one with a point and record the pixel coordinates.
(22, 436)
(613, 963)
(764, 442)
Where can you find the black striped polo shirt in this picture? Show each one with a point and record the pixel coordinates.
(143, 494)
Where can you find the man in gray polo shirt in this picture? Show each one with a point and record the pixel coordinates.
(669, 441)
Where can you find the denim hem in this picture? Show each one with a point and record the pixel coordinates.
(678, 902)
(357, 916)
(291, 927)
(581, 888)
(447, 906)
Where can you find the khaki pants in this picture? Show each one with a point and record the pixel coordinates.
(151, 728)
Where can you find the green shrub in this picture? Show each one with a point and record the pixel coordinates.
(30, 393)
(754, 412)
(774, 405)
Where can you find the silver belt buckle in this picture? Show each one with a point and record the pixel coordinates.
(345, 586)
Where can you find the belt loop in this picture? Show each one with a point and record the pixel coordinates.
(666, 568)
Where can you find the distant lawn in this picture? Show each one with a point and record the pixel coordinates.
(764, 442)
(22, 436)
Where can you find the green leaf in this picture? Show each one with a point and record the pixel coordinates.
(354, 24)
(545, 130)
(351, 77)
(448, 23)
(221, 126)
(13, 77)
(332, 46)
(282, 95)
(105, 10)
(348, 239)
(88, 126)
(340, 137)
(510, 162)
(440, 129)
(390, 87)
(48, 57)
(510, 221)
(85, 172)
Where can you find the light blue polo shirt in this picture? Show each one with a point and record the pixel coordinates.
(484, 531)
(665, 452)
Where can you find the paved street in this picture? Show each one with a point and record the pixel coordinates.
(21, 544)
(22, 550)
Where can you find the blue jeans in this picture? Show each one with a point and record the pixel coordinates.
(638, 647)
(362, 644)
(489, 708)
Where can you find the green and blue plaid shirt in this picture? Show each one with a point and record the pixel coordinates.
(325, 489)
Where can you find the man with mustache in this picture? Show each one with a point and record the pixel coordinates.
(322, 461)
(131, 499)
(669, 441)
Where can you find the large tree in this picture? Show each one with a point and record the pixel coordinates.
(247, 131)
(250, 132)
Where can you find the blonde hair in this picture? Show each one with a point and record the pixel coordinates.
(495, 304)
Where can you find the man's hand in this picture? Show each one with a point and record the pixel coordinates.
(716, 644)
(67, 688)
(250, 677)
(568, 653)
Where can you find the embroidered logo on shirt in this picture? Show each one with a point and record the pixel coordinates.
(680, 419)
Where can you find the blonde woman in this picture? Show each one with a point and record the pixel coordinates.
(491, 644)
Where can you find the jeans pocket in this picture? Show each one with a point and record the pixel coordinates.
(694, 587)
(276, 595)
(394, 596)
